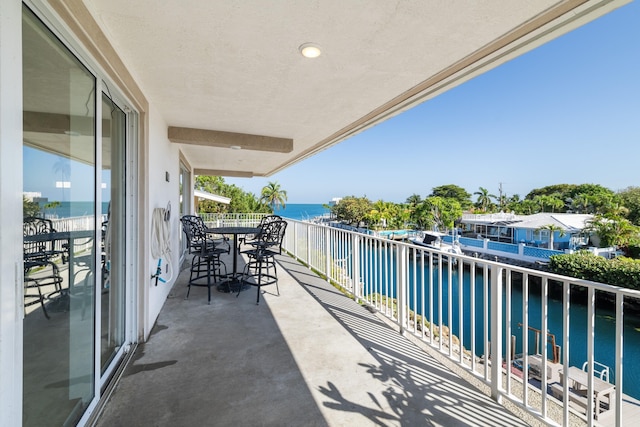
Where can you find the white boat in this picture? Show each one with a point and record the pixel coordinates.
(433, 240)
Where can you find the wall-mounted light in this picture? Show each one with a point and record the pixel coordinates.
(310, 50)
(235, 147)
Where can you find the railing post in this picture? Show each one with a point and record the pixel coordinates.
(295, 240)
(619, 356)
(307, 233)
(327, 263)
(401, 280)
(355, 266)
(496, 333)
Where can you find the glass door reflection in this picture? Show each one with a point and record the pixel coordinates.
(59, 165)
(113, 187)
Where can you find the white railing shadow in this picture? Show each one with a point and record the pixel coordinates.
(411, 285)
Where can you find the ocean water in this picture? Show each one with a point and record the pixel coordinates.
(299, 211)
(302, 211)
(72, 209)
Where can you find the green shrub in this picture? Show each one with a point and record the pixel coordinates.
(623, 272)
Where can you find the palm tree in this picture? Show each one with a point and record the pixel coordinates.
(552, 228)
(414, 199)
(555, 203)
(613, 230)
(542, 202)
(484, 198)
(62, 165)
(51, 206)
(29, 207)
(376, 217)
(422, 217)
(273, 195)
(581, 202)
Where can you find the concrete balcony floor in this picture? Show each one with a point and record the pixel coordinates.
(309, 357)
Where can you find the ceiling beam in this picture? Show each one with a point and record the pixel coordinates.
(44, 122)
(215, 138)
(218, 172)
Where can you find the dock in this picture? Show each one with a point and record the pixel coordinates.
(604, 392)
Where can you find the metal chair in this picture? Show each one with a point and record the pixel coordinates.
(264, 221)
(41, 273)
(206, 251)
(267, 219)
(266, 245)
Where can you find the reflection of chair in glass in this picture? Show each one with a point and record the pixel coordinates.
(266, 245)
(45, 246)
(41, 273)
(206, 251)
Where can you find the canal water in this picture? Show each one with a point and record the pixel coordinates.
(604, 342)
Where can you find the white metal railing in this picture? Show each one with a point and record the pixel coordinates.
(449, 301)
(77, 223)
(232, 219)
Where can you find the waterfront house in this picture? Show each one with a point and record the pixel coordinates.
(118, 105)
(529, 229)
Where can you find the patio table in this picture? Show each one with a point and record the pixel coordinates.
(234, 276)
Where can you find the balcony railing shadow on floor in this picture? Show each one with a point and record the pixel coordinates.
(311, 356)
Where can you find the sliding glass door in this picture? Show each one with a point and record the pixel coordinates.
(75, 194)
(113, 248)
(59, 161)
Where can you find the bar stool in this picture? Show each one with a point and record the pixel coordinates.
(205, 264)
(265, 246)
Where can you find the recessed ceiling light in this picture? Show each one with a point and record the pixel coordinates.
(310, 50)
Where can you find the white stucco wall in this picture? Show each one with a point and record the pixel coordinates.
(163, 157)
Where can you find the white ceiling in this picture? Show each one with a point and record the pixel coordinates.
(234, 65)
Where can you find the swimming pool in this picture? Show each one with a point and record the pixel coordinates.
(395, 234)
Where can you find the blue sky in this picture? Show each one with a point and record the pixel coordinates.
(566, 112)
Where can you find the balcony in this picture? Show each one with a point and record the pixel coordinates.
(317, 356)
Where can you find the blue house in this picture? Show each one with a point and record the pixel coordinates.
(529, 229)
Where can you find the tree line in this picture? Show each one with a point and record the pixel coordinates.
(271, 197)
(616, 214)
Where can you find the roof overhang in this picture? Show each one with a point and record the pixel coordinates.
(209, 196)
